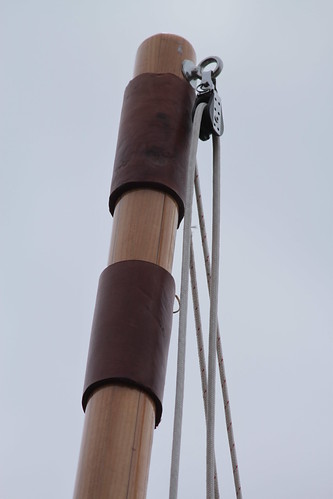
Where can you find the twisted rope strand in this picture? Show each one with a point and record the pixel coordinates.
(214, 287)
(200, 346)
(231, 439)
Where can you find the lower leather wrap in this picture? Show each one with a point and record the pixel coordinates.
(154, 137)
(131, 330)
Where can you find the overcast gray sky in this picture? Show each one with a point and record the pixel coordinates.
(65, 65)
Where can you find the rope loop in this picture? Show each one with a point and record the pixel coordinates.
(212, 272)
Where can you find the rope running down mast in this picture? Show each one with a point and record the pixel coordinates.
(178, 415)
(204, 124)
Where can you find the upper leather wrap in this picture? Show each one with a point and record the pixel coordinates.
(154, 137)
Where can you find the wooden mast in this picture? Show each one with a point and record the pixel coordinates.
(119, 421)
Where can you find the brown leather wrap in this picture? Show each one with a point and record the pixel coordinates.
(131, 330)
(154, 137)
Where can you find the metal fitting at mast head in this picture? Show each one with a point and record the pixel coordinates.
(212, 120)
(208, 78)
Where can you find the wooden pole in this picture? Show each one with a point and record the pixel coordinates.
(119, 421)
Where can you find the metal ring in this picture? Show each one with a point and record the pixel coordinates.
(178, 299)
(209, 60)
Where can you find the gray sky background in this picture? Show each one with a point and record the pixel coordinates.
(65, 65)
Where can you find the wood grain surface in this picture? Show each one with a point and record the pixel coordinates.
(119, 421)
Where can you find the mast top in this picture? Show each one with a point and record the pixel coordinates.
(163, 53)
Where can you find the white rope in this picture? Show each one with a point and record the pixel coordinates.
(210, 453)
(224, 386)
(212, 272)
(178, 415)
(200, 346)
